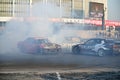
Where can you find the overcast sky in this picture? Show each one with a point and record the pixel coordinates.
(114, 10)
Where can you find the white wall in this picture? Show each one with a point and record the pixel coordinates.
(114, 10)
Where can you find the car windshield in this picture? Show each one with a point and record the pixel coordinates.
(30, 40)
(43, 41)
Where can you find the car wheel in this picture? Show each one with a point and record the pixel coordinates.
(101, 52)
(40, 51)
(59, 51)
(76, 50)
(22, 49)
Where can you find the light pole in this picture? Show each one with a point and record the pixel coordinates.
(103, 19)
(60, 3)
(30, 6)
(72, 8)
(13, 7)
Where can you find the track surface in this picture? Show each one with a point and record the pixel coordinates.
(19, 66)
(10, 62)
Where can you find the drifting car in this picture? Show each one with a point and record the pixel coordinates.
(38, 45)
(97, 46)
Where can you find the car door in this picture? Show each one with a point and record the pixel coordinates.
(89, 45)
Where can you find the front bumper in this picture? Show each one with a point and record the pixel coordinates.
(51, 50)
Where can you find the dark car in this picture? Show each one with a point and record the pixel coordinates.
(97, 46)
(38, 45)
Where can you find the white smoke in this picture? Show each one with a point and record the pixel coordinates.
(16, 30)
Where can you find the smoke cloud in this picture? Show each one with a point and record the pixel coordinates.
(17, 30)
(42, 26)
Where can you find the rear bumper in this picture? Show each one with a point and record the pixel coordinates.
(116, 51)
(113, 52)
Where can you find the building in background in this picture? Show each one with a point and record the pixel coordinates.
(14, 8)
(71, 10)
(77, 9)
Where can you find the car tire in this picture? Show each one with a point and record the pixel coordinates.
(76, 50)
(40, 51)
(101, 52)
(22, 49)
(59, 51)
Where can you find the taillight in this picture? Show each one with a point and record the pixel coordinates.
(42, 45)
(115, 46)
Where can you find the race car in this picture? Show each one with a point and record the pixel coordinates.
(38, 45)
(97, 46)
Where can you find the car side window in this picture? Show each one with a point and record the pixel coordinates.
(90, 42)
(98, 41)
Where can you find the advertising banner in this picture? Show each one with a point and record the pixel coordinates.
(96, 10)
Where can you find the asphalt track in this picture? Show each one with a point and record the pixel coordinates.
(13, 62)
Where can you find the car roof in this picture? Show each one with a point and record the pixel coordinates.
(98, 38)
